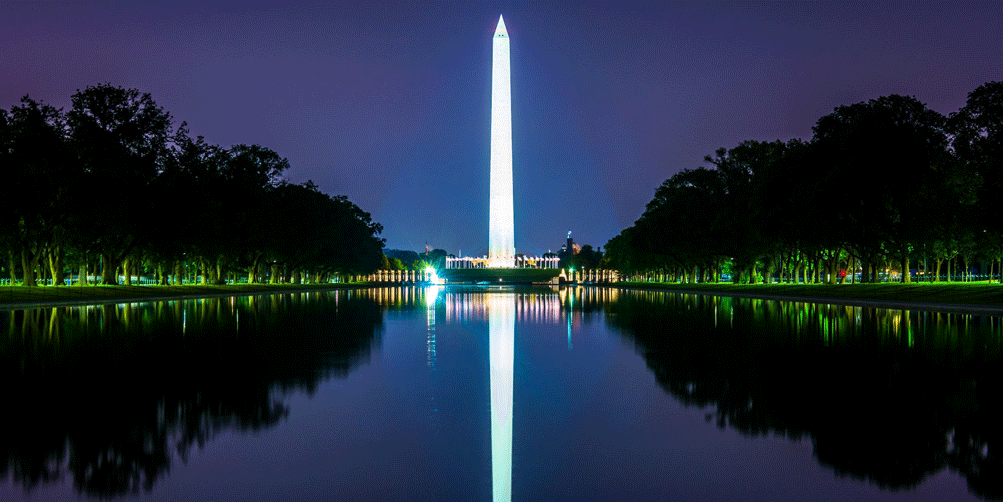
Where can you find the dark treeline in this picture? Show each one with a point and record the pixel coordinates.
(400, 259)
(883, 185)
(883, 395)
(72, 415)
(110, 188)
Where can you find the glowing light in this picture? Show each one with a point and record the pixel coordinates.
(431, 294)
(433, 277)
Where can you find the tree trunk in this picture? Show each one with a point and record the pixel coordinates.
(108, 270)
(126, 272)
(28, 268)
(61, 265)
(252, 271)
(220, 271)
(906, 277)
(56, 265)
(11, 268)
(82, 274)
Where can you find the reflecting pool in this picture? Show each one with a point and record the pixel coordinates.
(485, 393)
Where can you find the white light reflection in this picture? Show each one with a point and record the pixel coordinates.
(571, 310)
(431, 293)
(501, 346)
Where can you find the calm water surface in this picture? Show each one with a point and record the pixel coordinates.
(498, 394)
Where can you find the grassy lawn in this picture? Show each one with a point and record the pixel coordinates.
(12, 296)
(956, 293)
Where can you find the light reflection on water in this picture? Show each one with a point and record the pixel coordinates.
(501, 323)
(890, 400)
(106, 396)
(888, 396)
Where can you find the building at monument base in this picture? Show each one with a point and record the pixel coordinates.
(519, 262)
(478, 270)
(501, 276)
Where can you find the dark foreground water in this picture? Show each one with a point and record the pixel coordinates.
(481, 394)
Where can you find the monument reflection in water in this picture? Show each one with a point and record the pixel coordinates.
(501, 323)
(702, 397)
(503, 308)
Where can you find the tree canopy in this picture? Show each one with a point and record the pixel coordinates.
(881, 186)
(112, 189)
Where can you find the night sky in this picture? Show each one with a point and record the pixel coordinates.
(389, 103)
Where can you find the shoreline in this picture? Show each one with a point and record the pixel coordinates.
(69, 296)
(770, 292)
(973, 298)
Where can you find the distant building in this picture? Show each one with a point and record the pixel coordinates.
(570, 246)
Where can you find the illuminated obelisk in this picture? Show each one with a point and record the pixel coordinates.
(501, 228)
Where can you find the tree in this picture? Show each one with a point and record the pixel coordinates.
(586, 258)
(40, 172)
(353, 225)
(977, 130)
(679, 230)
(120, 137)
(748, 197)
(190, 193)
(891, 161)
(406, 257)
(436, 258)
(250, 174)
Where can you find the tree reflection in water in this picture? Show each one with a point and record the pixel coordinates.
(109, 393)
(889, 396)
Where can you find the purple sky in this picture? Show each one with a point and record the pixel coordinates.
(389, 103)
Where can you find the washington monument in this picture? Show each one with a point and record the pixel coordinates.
(501, 228)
